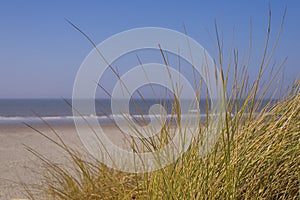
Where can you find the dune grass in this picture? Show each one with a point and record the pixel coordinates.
(255, 157)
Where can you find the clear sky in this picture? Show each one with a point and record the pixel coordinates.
(40, 52)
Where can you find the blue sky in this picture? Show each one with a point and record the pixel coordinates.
(40, 52)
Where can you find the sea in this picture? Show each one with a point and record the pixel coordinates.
(15, 111)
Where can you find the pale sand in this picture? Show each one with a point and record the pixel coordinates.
(16, 163)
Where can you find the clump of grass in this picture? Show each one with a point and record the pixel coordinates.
(256, 155)
(260, 160)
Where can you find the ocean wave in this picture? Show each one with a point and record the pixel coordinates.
(104, 118)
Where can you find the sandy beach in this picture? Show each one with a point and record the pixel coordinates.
(17, 164)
